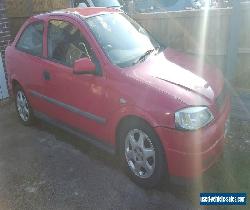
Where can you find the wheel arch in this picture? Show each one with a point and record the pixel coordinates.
(15, 84)
(123, 116)
(125, 120)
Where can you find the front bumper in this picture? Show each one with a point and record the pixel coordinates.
(190, 153)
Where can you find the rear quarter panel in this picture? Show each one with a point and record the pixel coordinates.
(11, 58)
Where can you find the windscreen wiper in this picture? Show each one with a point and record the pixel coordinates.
(114, 7)
(144, 56)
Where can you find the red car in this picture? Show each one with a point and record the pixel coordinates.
(98, 74)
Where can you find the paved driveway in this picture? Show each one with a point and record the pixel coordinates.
(44, 168)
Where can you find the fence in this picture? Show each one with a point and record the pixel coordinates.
(196, 32)
(19, 10)
(203, 33)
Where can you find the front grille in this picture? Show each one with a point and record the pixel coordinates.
(220, 100)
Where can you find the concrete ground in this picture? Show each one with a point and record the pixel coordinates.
(42, 167)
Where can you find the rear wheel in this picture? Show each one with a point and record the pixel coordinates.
(142, 154)
(24, 111)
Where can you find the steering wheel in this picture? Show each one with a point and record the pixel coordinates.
(84, 49)
(73, 54)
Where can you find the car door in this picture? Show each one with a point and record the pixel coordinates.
(28, 65)
(77, 100)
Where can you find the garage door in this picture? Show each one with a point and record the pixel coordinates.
(3, 85)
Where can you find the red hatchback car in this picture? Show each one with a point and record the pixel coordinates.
(98, 74)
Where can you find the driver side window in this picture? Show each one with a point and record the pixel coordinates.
(65, 43)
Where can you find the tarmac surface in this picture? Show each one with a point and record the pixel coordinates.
(42, 167)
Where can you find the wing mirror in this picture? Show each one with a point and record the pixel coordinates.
(84, 66)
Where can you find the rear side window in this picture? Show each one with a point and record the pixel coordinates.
(31, 40)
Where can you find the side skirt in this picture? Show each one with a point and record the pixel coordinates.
(96, 142)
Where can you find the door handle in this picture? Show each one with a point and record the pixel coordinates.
(46, 75)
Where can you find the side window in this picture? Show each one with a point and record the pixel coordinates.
(81, 3)
(66, 43)
(31, 40)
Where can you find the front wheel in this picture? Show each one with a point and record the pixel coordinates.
(142, 154)
(24, 111)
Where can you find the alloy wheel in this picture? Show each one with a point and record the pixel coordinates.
(22, 106)
(140, 153)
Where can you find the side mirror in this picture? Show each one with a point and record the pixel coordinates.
(84, 66)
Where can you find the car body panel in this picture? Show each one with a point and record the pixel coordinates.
(189, 154)
(152, 90)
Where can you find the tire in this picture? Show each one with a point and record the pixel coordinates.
(141, 154)
(23, 108)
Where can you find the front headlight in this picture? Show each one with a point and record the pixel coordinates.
(193, 118)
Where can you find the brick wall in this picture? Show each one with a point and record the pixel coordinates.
(4, 30)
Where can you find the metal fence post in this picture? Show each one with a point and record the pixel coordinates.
(233, 42)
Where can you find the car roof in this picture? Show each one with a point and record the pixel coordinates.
(83, 12)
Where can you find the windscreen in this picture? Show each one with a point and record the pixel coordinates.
(106, 3)
(121, 38)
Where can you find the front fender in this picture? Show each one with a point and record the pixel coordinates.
(127, 111)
